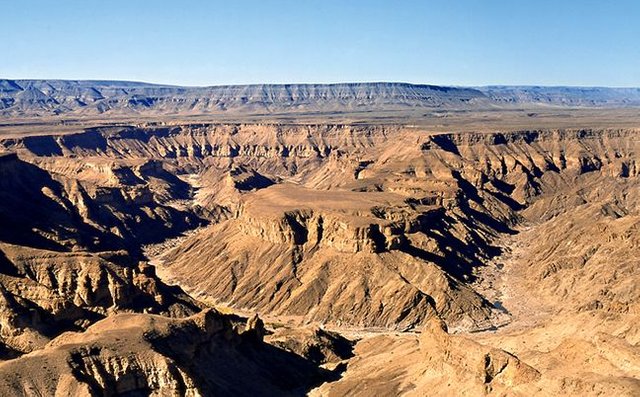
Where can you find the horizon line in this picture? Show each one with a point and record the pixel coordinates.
(92, 80)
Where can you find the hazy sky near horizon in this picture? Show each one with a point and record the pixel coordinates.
(463, 42)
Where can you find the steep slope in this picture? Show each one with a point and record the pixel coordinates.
(138, 354)
(386, 203)
(528, 239)
(63, 296)
(397, 241)
(599, 220)
(68, 203)
(70, 240)
(348, 258)
(437, 363)
(44, 293)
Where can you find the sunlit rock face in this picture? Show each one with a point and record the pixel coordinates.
(322, 229)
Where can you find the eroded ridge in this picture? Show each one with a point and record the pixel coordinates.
(510, 256)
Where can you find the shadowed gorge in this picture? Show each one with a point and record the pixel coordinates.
(320, 199)
(382, 259)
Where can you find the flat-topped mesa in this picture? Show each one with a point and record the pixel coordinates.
(529, 136)
(345, 221)
(352, 225)
(46, 98)
(25, 98)
(302, 227)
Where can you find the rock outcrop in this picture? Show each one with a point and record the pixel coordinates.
(314, 343)
(326, 256)
(43, 293)
(147, 354)
(435, 363)
(528, 239)
(64, 203)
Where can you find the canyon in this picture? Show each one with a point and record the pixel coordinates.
(200, 257)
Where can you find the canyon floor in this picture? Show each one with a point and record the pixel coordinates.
(484, 256)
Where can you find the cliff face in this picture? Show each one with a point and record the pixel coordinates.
(419, 209)
(64, 203)
(146, 354)
(314, 221)
(529, 237)
(45, 293)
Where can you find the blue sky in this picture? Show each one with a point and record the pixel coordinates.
(464, 42)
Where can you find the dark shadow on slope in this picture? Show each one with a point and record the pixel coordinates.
(241, 365)
(88, 140)
(445, 143)
(6, 266)
(468, 191)
(27, 214)
(42, 145)
(475, 218)
(513, 204)
(137, 223)
(300, 232)
(35, 212)
(7, 353)
(247, 179)
(143, 135)
(504, 187)
(457, 257)
(178, 189)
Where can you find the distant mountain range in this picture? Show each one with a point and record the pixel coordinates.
(33, 98)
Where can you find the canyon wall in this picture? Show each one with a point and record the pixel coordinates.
(364, 226)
